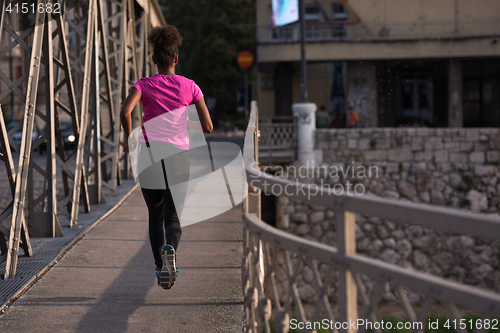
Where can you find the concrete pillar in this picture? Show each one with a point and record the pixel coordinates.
(306, 126)
(455, 97)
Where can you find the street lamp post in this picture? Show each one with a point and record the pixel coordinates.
(303, 63)
(304, 111)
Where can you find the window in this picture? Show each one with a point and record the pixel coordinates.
(339, 17)
(339, 12)
(312, 13)
(481, 93)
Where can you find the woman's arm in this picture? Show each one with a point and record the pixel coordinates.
(126, 114)
(204, 115)
(194, 125)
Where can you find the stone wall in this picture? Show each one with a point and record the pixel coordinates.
(453, 145)
(449, 167)
(444, 166)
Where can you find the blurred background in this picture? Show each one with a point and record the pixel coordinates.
(417, 63)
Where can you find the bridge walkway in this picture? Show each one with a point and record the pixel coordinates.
(106, 282)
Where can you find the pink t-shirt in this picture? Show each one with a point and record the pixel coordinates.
(165, 100)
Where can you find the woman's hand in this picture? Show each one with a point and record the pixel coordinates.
(130, 144)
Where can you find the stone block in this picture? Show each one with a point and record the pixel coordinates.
(407, 190)
(425, 197)
(472, 134)
(299, 217)
(383, 143)
(390, 242)
(334, 144)
(392, 167)
(404, 247)
(437, 197)
(458, 157)
(452, 145)
(375, 155)
(321, 135)
(441, 156)
(398, 234)
(364, 144)
(420, 260)
(302, 229)
(418, 167)
(433, 143)
(352, 143)
(492, 156)
(400, 154)
(366, 131)
(424, 132)
(441, 131)
(341, 132)
(417, 143)
(353, 133)
(485, 170)
(316, 217)
(342, 143)
(478, 201)
(400, 132)
(477, 157)
(411, 132)
(322, 144)
(387, 131)
(445, 167)
(481, 146)
(390, 256)
(484, 130)
(423, 156)
(466, 146)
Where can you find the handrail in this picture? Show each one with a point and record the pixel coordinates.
(483, 300)
(264, 243)
(447, 219)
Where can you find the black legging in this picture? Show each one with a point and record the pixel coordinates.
(162, 213)
(164, 225)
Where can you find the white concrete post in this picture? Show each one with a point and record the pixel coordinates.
(306, 126)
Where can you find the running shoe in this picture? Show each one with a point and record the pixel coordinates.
(168, 273)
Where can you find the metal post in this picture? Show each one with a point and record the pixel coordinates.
(18, 217)
(11, 76)
(303, 62)
(80, 180)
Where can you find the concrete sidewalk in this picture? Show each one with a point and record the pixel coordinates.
(106, 283)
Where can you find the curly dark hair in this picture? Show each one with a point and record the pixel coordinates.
(165, 42)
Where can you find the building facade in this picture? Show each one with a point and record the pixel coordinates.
(411, 63)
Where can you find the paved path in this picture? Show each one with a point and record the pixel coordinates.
(106, 283)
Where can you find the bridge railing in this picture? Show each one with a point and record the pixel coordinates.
(339, 276)
(341, 31)
(278, 139)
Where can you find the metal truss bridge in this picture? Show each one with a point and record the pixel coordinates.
(77, 66)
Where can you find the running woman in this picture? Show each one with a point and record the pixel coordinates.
(164, 94)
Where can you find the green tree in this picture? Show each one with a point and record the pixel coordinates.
(214, 32)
